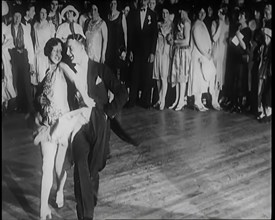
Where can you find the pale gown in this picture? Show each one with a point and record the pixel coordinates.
(43, 32)
(94, 39)
(198, 83)
(8, 90)
(181, 58)
(163, 52)
(219, 54)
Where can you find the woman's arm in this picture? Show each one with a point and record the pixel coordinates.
(74, 78)
(104, 43)
(186, 40)
(216, 34)
(124, 27)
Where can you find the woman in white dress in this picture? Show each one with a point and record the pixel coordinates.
(181, 59)
(202, 69)
(8, 90)
(53, 106)
(43, 31)
(220, 36)
(163, 56)
(96, 36)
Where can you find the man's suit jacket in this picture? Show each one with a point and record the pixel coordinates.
(142, 41)
(101, 79)
(97, 132)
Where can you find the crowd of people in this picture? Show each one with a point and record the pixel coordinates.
(73, 62)
(201, 54)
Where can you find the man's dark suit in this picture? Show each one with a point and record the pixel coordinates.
(90, 144)
(142, 42)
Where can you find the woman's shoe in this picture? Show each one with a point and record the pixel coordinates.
(200, 108)
(161, 107)
(216, 106)
(59, 199)
(173, 105)
(45, 213)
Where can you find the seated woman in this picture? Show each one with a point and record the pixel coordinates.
(53, 104)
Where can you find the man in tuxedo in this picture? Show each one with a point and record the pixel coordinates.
(90, 144)
(29, 21)
(142, 46)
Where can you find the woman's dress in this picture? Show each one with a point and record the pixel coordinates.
(163, 52)
(59, 124)
(198, 81)
(220, 54)
(8, 90)
(181, 58)
(94, 39)
(116, 43)
(43, 32)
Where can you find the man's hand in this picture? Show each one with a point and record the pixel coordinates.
(102, 59)
(151, 58)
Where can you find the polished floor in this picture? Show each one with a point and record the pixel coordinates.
(189, 165)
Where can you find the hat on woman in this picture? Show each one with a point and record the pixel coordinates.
(70, 8)
(5, 8)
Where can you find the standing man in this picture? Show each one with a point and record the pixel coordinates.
(142, 46)
(29, 21)
(22, 60)
(90, 144)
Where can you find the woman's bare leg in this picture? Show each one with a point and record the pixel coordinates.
(60, 174)
(48, 154)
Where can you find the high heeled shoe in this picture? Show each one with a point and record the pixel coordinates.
(45, 213)
(59, 199)
(200, 108)
(216, 106)
(173, 105)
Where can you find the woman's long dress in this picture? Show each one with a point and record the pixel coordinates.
(8, 90)
(94, 39)
(198, 82)
(43, 32)
(181, 58)
(163, 52)
(116, 42)
(220, 54)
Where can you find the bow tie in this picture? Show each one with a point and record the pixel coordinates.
(142, 9)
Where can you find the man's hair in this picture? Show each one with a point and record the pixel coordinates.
(52, 43)
(77, 37)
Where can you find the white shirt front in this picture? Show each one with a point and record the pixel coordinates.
(142, 17)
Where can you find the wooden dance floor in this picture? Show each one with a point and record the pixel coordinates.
(200, 165)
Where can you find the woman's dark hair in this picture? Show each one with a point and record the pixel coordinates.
(119, 4)
(52, 43)
(246, 14)
(77, 37)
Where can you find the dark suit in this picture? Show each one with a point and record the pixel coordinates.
(90, 144)
(142, 42)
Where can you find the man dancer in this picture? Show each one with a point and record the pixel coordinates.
(90, 144)
(142, 46)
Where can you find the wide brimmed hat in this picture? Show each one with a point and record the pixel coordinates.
(5, 8)
(69, 8)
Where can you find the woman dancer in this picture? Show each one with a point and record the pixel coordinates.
(54, 104)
